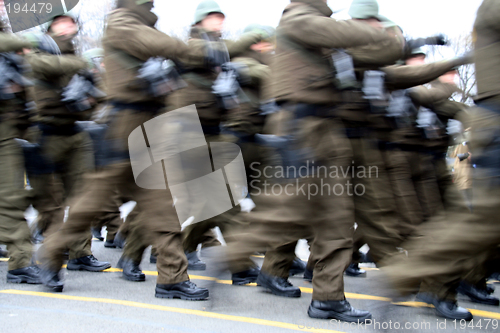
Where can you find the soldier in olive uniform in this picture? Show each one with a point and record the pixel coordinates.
(130, 40)
(452, 251)
(208, 25)
(63, 144)
(14, 198)
(305, 88)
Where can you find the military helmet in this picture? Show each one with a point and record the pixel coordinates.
(418, 51)
(205, 8)
(43, 42)
(141, 2)
(70, 15)
(267, 32)
(365, 9)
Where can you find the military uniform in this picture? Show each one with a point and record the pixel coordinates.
(129, 33)
(304, 86)
(199, 92)
(454, 250)
(14, 198)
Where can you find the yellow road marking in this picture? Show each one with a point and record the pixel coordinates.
(479, 313)
(206, 314)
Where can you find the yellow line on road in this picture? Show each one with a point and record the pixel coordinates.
(206, 314)
(479, 313)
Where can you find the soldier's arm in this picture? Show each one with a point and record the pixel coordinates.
(427, 97)
(241, 45)
(10, 43)
(325, 32)
(404, 77)
(47, 66)
(447, 109)
(378, 55)
(144, 42)
(259, 75)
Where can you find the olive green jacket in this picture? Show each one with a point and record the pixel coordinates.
(306, 35)
(12, 115)
(129, 41)
(487, 50)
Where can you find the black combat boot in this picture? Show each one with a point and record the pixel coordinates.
(96, 233)
(186, 290)
(88, 263)
(119, 240)
(51, 280)
(245, 277)
(308, 275)
(298, 267)
(194, 263)
(277, 285)
(132, 271)
(152, 259)
(477, 295)
(339, 310)
(445, 308)
(110, 244)
(355, 271)
(30, 275)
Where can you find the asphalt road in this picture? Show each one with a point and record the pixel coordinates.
(104, 302)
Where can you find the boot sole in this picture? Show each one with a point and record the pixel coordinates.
(362, 275)
(86, 268)
(58, 289)
(110, 246)
(242, 282)
(295, 294)
(479, 301)
(22, 279)
(134, 279)
(465, 317)
(322, 314)
(181, 295)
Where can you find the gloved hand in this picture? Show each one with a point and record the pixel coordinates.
(439, 39)
(241, 71)
(247, 205)
(215, 56)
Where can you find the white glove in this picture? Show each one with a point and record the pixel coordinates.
(247, 205)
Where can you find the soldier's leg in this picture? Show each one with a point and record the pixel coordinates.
(400, 172)
(278, 261)
(14, 200)
(48, 197)
(78, 159)
(375, 210)
(111, 220)
(442, 262)
(97, 187)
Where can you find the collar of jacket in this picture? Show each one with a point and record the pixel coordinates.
(319, 5)
(148, 18)
(197, 33)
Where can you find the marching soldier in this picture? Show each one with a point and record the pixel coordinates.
(305, 88)
(452, 251)
(64, 146)
(130, 40)
(14, 198)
